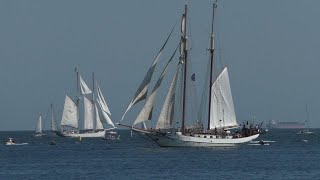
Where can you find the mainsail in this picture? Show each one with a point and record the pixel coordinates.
(141, 93)
(39, 126)
(70, 113)
(222, 109)
(146, 112)
(166, 114)
(88, 113)
(84, 87)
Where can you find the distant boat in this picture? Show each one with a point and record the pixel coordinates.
(221, 113)
(111, 135)
(93, 126)
(306, 130)
(10, 141)
(38, 131)
(273, 124)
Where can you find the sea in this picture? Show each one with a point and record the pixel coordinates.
(287, 155)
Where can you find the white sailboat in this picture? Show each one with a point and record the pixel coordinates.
(38, 131)
(93, 125)
(221, 113)
(306, 130)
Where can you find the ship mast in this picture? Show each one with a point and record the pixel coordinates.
(78, 96)
(184, 54)
(93, 104)
(211, 63)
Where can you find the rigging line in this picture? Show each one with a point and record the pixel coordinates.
(148, 139)
(205, 94)
(192, 93)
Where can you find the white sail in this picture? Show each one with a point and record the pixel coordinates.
(101, 99)
(166, 113)
(84, 87)
(54, 126)
(98, 121)
(88, 113)
(70, 113)
(146, 112)
(222, 113)
(106, 117)
(39, 125)
(141, 93)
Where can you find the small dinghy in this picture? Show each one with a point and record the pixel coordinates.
(12, 142)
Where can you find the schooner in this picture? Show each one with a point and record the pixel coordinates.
(221, 113)
(93, 126)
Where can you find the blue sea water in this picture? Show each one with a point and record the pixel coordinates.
(287, 158)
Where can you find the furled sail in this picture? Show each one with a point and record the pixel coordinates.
(98, 121)
(39, 125)
(146, 112)
(70, 113)
(142, 91)
(84, 87)
(88, 113)
(183, 41)
(183, 24)
(222, 109)
(166, 114)
(101, 99)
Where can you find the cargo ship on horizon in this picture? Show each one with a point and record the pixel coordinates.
(285, 125)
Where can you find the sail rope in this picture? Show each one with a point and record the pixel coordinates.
(192, 93)
(204, 95)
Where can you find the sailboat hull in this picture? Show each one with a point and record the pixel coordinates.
(179, 140)
(98, 134)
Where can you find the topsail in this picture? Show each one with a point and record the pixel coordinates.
(84, 87)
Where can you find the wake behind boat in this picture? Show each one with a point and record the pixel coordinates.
(12, 142)
(171, 128)
(306, 131)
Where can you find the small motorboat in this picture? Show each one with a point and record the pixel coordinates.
(112, 135)
(10, 141)
(306, 131)
(52, 142)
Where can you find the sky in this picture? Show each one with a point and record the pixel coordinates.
(271, 48)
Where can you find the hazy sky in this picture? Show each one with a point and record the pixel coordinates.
(271, 48)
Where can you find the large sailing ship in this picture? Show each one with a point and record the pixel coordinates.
(172, 129)
(93, 126)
